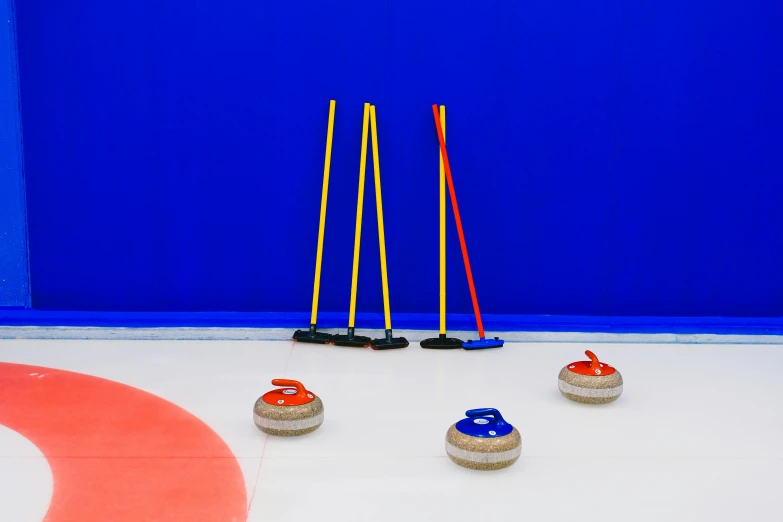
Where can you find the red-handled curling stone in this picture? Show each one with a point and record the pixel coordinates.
(590, 382)
(288, 411)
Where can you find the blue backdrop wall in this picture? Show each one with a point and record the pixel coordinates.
(14, 269)
(611, 158)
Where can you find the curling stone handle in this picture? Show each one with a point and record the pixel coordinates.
(300, 389)
(483, 412)
(595, 364)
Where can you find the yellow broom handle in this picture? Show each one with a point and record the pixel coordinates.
(379, 208)
(442, 227)
(322, 222)
(357, 239)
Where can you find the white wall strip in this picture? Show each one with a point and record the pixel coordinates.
(414, 336)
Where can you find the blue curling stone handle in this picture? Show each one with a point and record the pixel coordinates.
(486, 423)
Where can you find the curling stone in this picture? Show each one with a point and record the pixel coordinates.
(483, 441)
(590, 382)
(288, 411)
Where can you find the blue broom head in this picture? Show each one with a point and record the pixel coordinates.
(482, 344)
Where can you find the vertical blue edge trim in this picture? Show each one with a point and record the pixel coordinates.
(15, 286)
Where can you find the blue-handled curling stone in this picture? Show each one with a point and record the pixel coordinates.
(483, 441)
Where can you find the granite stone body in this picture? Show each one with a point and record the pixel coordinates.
(483, 453)
(590, 389)
(288, 421)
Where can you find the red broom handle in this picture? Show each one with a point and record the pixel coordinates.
(457, 218)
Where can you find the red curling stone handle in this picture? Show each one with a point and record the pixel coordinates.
(596, 365)
(300, 389)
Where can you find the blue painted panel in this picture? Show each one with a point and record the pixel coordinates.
(14, 269)
(611, 158)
